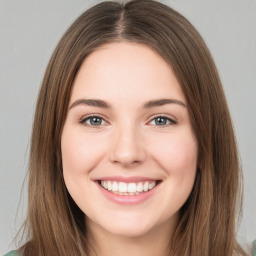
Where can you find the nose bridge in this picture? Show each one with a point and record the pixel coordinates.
(127, 144)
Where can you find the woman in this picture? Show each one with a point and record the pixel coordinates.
(133, 150)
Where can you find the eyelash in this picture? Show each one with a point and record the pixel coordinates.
(168, 119)
(83, 120)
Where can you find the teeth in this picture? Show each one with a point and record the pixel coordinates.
(145, 187)
(151, 185)
(132, 187)
(105, 185)
(122, 188)
(114, 186)
(140, 187)
(109, 185)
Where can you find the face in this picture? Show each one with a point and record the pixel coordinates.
(128, 149)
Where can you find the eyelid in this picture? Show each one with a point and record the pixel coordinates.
(170, 118)
(84, 118)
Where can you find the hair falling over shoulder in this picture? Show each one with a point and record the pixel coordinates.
(207, 224)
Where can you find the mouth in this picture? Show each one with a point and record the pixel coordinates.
(128, 188)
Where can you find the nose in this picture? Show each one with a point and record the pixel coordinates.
(127, 147)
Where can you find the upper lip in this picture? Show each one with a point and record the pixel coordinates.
(126, 179)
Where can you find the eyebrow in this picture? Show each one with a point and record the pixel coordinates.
(91, 102)
(104, 104)
(161, 102)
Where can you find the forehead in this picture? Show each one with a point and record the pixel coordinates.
(126, 70)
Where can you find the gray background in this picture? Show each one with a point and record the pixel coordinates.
(30, 30)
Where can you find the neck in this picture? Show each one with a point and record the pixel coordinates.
(155, 242)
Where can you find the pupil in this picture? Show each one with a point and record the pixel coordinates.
(95, 121)
(161, 121)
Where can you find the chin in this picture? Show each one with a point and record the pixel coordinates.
(129, 231)
(128, 225)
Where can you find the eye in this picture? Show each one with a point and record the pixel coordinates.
(93, 121)
(162, 121)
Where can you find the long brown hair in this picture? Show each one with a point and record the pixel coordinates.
(207, 224)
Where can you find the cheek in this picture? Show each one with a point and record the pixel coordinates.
(79, 153)
(178, 158)
(177, 154)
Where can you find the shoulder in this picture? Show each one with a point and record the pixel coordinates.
(254, 248)
(12, 253)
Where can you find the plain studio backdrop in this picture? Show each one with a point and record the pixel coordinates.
(29, 32)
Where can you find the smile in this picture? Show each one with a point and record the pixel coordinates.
(131, 189)
(128, 190)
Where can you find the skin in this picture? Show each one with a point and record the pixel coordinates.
(127, 142)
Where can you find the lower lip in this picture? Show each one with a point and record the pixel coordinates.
(125, 199)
